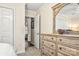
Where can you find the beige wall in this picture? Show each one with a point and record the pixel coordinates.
(46, 14)
(19, 25)
(30, 13)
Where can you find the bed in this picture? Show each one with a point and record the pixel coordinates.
(6, 50)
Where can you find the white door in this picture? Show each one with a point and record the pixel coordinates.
(6, 25)
(36, 31)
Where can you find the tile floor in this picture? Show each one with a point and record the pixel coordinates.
(31, 51)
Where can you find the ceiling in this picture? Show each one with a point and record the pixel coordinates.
(33, 6)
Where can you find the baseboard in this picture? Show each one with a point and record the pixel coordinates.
(18, 52)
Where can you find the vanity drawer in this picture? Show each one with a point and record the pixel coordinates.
(48, 51)
(49, 38)
(48, 44)
(67, 50)
(60, 54)
(70, 41)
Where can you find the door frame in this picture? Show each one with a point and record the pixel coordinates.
(39, 32)
(39, 29)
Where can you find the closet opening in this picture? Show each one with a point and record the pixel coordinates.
(32, 31)
(29, 29)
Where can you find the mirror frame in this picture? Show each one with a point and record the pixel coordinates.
(56, 8)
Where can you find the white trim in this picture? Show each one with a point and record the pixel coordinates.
(18, 52)
(14, 27)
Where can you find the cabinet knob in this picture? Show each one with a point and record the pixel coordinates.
(60, 39)
(52, 38)
(52, 52)
(60, 48)
(43, 47)
(42, 41)
(52, 45)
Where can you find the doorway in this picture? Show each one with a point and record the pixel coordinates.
(32, 36)
(32, 31)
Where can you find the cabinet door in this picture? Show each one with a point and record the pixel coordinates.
(6, 25)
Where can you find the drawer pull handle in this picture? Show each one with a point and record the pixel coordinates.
(60, 48)
(52, 45)
(42, 42)
(60, 39)
(43, 47)
(52, 38)
(52, 52)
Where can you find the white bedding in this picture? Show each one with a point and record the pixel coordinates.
(6, 50)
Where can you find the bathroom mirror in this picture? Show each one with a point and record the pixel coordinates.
(66, 18)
